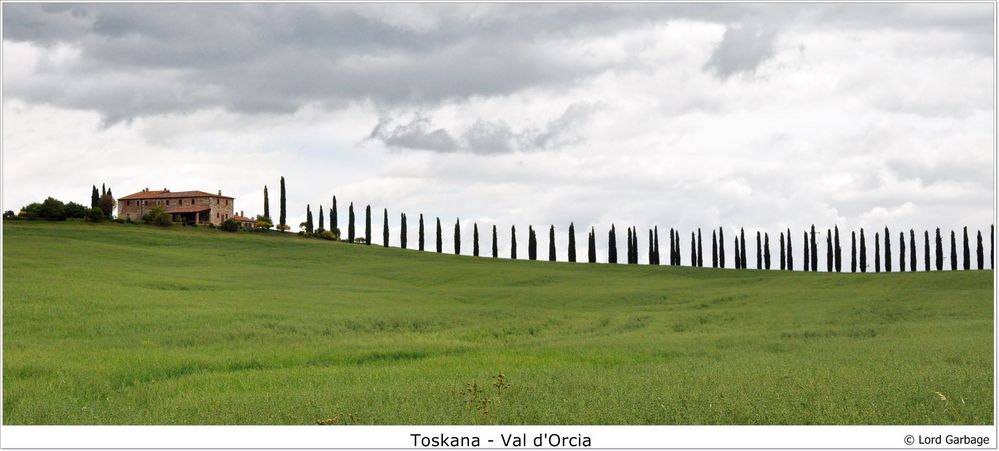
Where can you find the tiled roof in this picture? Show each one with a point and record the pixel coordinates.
(243, 219)
(166, 194)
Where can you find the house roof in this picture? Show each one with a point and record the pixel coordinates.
(166, 194)
(243, 219)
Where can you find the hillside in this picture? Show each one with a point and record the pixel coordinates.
(130, 324)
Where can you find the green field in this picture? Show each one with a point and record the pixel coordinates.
(131, 324)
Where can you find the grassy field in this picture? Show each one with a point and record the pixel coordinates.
(129, 324)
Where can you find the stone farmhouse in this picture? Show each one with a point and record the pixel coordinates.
(198, 207)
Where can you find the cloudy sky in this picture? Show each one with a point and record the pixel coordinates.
(763, 116)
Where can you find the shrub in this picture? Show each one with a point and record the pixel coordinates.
(32, 210)
(9, 214)
(95, 215)
(230, 225)
(75, 210)
(283, 227)
(263, 222)
(328, 235)
(156, 216)
(52, 209)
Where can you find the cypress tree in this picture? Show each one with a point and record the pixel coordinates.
(95, 199)
(334, 224)
(532, 243)
(967, 251)
(912, 250)
(939, 252)
(612, 246)
(766, 251)
(814, 252)
(385, 228)
(628, 246)
(591, 248)
(551, 243)
(829, 251)
(807, 260)
(742, 247)
(282, 223)
(403, 232)
(693, 249)
(926, 250)
(992, 246)
(738, 253)
(495, 243)
(322, 226)
(700, 250)
(656, 238)
(981, 252)
(267, 203)
(901, 251)
(104, 191)
(367, 225)
(714, 249)
(853, 251)
(308, 220)
(877, 253)
(887, 251)
(759, 251)
(790, 256)
(513, 242)
(652, 252)
(721, 248)
(837, 257)
(440, 239)
(475, 239)
(679, 260)
(420, 238)
(863, 252)
(783, 255)
(953, 251)
(672, 247)
(457, 236)
(350, 223)
(572, 242)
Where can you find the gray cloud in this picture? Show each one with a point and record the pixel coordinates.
(137, 60)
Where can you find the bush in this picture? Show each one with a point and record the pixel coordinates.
(95, 215)
(283, 227)
(9, 214)
(328, 235)
(263, 222)
(230, 225)
(156, 216)
(52, 209)
(75, 210)
(30, 211)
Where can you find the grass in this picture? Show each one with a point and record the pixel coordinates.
(129, 324)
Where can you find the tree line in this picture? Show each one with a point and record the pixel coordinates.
(884, 260)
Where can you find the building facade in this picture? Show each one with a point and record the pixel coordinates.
(197, 207)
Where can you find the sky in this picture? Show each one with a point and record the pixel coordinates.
(757, 116)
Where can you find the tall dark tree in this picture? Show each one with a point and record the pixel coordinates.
(714, 249)
(672, 247)
(887, 251)
(838, 256)
(912, 250)
(282, 223)
(267, 202)
(814, 251)
(790, 255)
(350, 224)
(107, 203)
(807, 260)
(877, 253)
(322, 226)
(766, 251)
(612, 246)
(853, 251)
(513, 242)
(104, 190)
(532, 244)
(440, 238)
(783, 255)
(679, 260)
(939, 252)
(926, 250)
(420, 236)
(495, 243)
(95, 198)
(981, 252)
(721, 247)
(572, 243)
(385, 228)
(403, 230)
(953, 251)
(551, 243)
(742, 247)
(457, 236)
(334, 224)
(308, 220)
(656, 245)
(591, 246)
(700, 250)
(759, 251)
(863, 252)
(738, 253)
(901, 252)
(367, 225)
(652, 253)
(992, 246)
(475, 239)
(693, 249)
(967, 251)
(829, 251)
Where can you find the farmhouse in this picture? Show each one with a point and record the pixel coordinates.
(197, 207)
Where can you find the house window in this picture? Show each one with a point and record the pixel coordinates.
(168, 202)
(145, 202)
